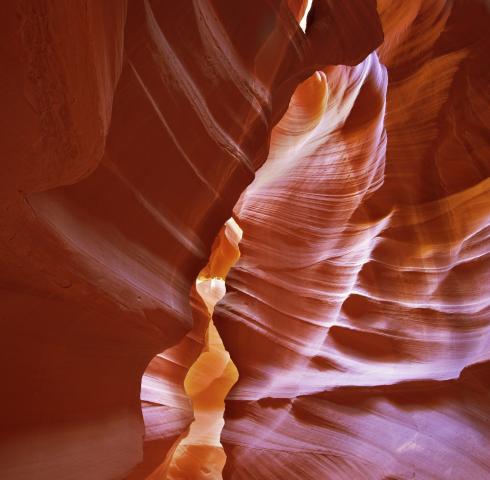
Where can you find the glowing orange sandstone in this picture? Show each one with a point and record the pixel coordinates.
(199, 453)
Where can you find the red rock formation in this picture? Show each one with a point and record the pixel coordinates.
(363, 281)
(129, 129)
(162, 388)
(358, 314)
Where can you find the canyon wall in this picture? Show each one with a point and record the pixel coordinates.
(354, 156)
(363, 284)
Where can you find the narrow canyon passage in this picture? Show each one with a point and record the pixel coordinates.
(197, 453)
(245, 240)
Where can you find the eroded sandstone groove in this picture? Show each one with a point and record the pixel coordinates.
(353, 154)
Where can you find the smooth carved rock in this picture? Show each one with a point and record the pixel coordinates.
(357, 315)
(363, 280)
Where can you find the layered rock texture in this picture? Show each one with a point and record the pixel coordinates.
(364, 281)
(354, 157)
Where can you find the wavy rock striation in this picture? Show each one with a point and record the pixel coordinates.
(165, 405)
(363, 280)
(357, 315)
(129, 130)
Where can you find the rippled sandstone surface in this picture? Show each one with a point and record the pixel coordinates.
(364, 280)
(355, 159)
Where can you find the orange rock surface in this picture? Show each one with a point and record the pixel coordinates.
(363, 283)
(354, 156)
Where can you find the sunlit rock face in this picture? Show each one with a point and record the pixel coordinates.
(199, 453)
(129, 131)
(357, 317)
(363, 280)
(163, 396)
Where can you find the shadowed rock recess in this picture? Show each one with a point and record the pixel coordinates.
(148, 145)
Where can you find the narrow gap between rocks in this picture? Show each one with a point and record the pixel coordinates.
(198, 453)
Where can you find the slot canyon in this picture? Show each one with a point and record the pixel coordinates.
(245, 240)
